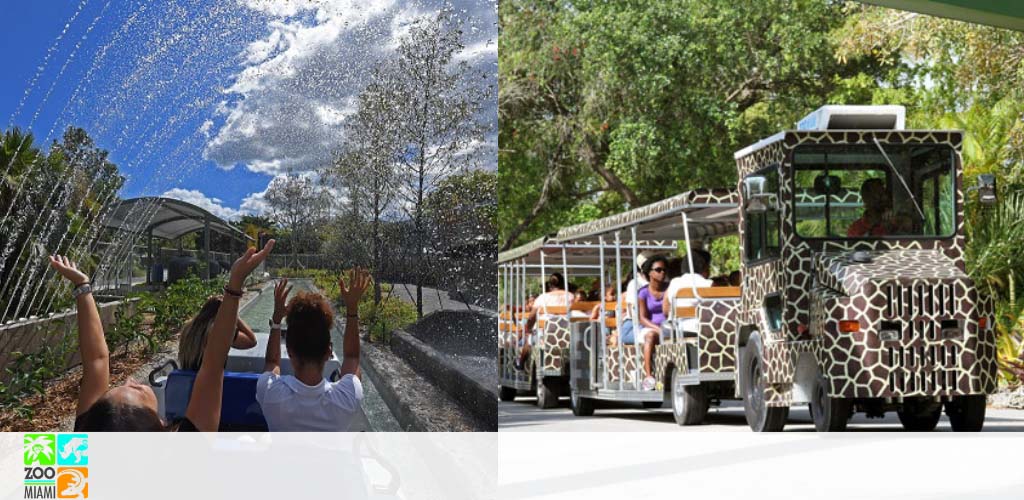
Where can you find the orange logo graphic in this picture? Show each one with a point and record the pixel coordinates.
(72, 482)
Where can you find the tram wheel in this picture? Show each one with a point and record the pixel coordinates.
(507, 393)
(760, 416)
(581, 407)
(919, 416)
(689, 402)
(829, 414)
(966, 413)
(547, 398)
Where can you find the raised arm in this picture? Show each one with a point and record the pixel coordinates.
(245, 338)
(204, 405)
(92, 345)
(272, 361)
(358, 280)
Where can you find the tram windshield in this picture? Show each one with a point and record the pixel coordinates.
(874, 191)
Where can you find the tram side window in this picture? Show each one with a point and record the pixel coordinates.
(762, 229)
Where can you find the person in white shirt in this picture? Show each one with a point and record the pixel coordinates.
(306, 401)
(696, 278)
(555, 295)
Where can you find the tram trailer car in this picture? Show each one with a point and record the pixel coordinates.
(850, 313)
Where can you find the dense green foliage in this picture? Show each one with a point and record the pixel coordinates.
(609, 105)
(49, 203)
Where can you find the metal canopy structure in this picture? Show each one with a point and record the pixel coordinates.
(998, 13)
(709, 213)
(171, 218)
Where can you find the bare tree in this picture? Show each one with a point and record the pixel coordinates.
(440, 131)
(366, 167)
(297, 203)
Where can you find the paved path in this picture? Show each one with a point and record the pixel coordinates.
(433, 299)
(523, 415)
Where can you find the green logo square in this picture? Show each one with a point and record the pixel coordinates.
(40, 449)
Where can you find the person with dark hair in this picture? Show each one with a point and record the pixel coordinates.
(652, 314)
(735, 278)
(133, 406)
(876, 220)
(306, 401)
(192, 342)
(555, 295)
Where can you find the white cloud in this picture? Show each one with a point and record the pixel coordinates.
(285, 108)
(196, 197)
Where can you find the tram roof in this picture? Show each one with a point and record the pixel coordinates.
(582, 254)
(710, 213)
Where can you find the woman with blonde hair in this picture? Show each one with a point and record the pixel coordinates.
(193, 336)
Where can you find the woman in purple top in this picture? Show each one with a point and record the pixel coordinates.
(651, 314)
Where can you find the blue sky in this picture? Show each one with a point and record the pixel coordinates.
(208, 100)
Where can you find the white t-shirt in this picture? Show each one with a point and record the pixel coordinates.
(560, 298)
(290, 405)
(631, 292)
(686, 281)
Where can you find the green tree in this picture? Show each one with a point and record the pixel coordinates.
(609, 105)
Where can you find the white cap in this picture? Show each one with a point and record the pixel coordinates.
(642, 257)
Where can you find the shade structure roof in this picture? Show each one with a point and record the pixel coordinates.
(167, 218)
(710, 213)
(1007, 14)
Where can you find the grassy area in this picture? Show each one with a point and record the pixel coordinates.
(379, 319)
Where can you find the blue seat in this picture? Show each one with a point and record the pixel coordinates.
(239, 410)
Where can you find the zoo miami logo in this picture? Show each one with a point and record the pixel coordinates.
(56, 465)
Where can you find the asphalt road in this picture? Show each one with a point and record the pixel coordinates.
(523, 415)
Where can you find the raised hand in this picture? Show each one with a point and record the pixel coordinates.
(281, 291)
(358, 281)
(246, 263)
(68, 269)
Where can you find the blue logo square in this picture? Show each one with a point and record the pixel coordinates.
(72, 449)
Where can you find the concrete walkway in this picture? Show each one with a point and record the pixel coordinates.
(524, 415)
(434, 299)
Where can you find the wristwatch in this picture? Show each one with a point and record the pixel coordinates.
(82, 289)
(274, 326)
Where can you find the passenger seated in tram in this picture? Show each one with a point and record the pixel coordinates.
(555, 295)
(192, 342)
(133, 406)
(697, 277)
(652, 315)
(735, 278)
(878, 218)
(609, 297)
(629, 299)
(306, 401)
(579, 295)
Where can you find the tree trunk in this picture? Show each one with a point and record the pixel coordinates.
(419, 238)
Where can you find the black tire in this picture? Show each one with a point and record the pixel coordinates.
(760, 417)
(507, 393)
(581, 407)
(829, 414)
(967, 413)
(919, 416)
(689, 402)
(546, 397)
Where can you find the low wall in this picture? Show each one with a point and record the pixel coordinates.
(28, 337)
(477, 396)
